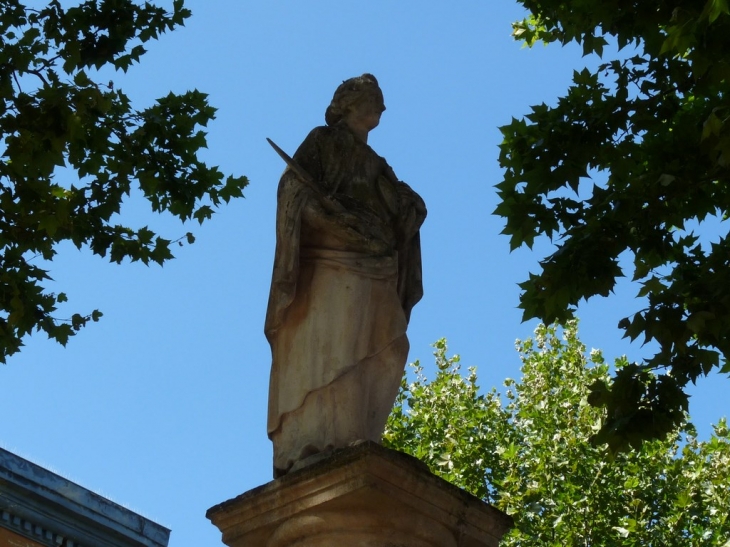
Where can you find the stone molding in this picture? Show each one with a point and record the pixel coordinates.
(53, 511)
(365, 496)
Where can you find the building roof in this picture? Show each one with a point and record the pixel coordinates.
(51, 510)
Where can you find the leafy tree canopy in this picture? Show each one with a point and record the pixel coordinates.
(527, 454)
(651, 128)
(54, 115)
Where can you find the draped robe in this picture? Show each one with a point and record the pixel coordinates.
(342, 290)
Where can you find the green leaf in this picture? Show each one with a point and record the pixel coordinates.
(711, 127)
(715, 8)
(527, 453)
(91, 130)
(651, 129)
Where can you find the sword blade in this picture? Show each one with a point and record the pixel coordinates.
(293, 165)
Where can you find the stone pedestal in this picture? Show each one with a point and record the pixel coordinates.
(364, 496)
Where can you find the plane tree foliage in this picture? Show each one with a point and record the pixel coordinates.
(55, 115)
(526, 453)
(623, 173)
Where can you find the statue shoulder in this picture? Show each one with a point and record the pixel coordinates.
(327, 132)
(323, 137)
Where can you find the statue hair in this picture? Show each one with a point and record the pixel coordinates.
(348, 93)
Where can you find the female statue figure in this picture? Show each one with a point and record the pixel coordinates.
(347, 271)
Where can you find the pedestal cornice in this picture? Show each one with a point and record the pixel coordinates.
(364, 495)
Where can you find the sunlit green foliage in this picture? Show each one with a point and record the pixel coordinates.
(651, 127)
(54, 115)
(526, 453)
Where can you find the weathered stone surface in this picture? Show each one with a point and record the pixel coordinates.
(364, 496)
(347, 272)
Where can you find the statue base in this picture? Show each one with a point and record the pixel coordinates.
(364, 495)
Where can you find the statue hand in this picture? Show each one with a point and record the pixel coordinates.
(331, 205)
(322, 204)
(410, 200)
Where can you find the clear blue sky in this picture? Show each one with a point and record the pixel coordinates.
(161, 406)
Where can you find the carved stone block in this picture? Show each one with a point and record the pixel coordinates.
(365, 496)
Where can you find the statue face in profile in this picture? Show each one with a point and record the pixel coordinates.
(364, 115)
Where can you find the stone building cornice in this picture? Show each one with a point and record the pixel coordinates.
(51, 510)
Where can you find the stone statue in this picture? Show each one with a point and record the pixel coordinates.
(347, 272)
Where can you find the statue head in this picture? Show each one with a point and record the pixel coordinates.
(350, 93)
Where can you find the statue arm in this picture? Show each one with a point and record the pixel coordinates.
(409, 202)
(408, 206)
(332, 224)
